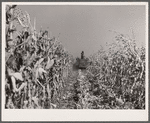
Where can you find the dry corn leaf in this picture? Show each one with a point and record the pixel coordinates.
(49, 63)
(17, 76)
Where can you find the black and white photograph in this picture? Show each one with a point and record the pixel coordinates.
(78, 57)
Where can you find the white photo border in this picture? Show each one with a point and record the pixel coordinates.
(69, 114)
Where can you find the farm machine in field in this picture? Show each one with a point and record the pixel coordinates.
(82, 62)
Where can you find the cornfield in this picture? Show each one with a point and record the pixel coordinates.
(39, 71)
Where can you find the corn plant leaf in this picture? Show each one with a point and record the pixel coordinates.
(39, 72)
(17, 76)
(35, 99)
(49, 63)
(21, 23)
(120, 101)
(13, 80)
(38, 62)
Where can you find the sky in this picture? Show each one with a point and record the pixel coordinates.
(85, 28)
